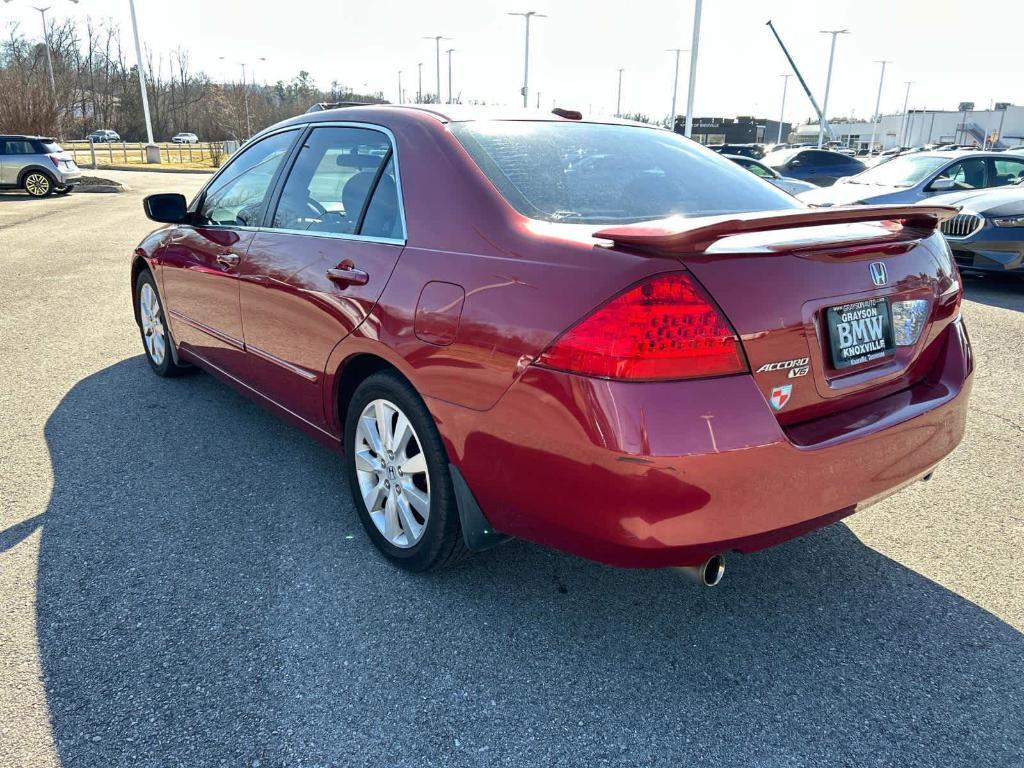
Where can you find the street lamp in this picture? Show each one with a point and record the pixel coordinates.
(618, 97)
(675, 87)
(449, 52)
(399, 87)
(828, 81)
(878, 103)
(527, 15)
(419, 83)
(694, 44)
(903, 126)
(782, 110)
(437, 52)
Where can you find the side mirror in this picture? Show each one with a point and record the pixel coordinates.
(942, 185)
(166, 208)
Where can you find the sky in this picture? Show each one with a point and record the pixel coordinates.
(948, 52)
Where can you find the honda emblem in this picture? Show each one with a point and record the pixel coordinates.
(878, 273)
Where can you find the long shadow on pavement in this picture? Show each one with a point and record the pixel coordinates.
(206, 596)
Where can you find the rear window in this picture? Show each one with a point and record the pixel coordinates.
(49, 147)
(610, 174)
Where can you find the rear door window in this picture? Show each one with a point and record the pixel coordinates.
(18, 147)
(603, 174)
(1007, 172)
(967, 174)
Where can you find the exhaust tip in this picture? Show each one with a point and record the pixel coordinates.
(709, 573)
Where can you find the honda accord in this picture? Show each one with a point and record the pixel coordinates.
(594, 335)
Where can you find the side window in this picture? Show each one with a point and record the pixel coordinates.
(383, 214)
(18, 147)
(967, 174)
(759, 170)
(238, 197)
(331, 179)
(1007, 172)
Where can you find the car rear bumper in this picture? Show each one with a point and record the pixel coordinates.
(68, 178)
(661, 474)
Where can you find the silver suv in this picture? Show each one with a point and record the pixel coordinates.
(36, 164)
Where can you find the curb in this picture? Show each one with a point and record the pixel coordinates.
(79, 188)
(151, 168)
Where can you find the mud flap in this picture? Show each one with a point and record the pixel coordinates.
(476, 530)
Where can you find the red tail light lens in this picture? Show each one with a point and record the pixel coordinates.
(55, 160)
(664, 328)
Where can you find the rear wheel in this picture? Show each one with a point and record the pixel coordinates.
(37, 184)
(397, 469)
(153, 326)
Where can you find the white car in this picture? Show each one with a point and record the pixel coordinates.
(185, 138)
(785, 183)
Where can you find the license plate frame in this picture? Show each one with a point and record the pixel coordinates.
(860, 332)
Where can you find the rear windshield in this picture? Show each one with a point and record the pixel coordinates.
(610, 174)
(50, 146)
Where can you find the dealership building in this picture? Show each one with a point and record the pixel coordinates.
(1001, 128)
(734, 130)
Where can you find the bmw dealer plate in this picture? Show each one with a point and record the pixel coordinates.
(860, 332)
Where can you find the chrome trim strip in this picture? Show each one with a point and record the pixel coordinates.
(259, 394)
(333, 235)
(307, 375)
(230, 340)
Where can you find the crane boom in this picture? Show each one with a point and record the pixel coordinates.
(814, 103)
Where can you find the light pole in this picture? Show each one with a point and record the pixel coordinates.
(694, 44)
(878, 104)
(782, 109)
(828, 81)
(419, 82)
(399, 87)
(245, 99)
(437, 54)
(449, 52)
(49, 65)
(675, 87)
(618, 97)
(903, 126)
(527, 15)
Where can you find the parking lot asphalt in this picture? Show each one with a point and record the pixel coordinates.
(184, 582)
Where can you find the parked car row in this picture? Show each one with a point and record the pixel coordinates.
(105, 136)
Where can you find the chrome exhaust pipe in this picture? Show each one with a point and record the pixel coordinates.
(708, 573)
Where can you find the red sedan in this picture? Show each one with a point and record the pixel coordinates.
(594, 335)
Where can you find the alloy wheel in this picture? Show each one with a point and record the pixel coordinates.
(392, 473)
(37, 185)
(152, 324)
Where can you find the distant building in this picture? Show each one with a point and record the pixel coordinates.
(734, 130)
(1000, 128)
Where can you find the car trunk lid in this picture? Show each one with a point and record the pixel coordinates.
(819, 298)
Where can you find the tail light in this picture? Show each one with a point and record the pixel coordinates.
(663, 328)
(55, 159)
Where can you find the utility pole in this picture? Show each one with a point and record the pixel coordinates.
(49, 66)
(618, 97)
(419, 85)
(675, 87)
(694, 44)
(527, 15)
(245, 96)
(399, 87)
(449, 52)
(828, 79)
(878, 103)
(782, 110)
(903, 126)
(437, 60)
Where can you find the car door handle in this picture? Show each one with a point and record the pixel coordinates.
(227, 260)
(346, 275)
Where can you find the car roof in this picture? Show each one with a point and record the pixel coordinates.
(958, 153)
(26, 136)
(455, 113)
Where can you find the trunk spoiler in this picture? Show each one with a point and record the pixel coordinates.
(679, 234)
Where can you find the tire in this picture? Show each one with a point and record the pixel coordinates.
(156, 340)
(392, 475)
(38, 184)
(63, 190)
